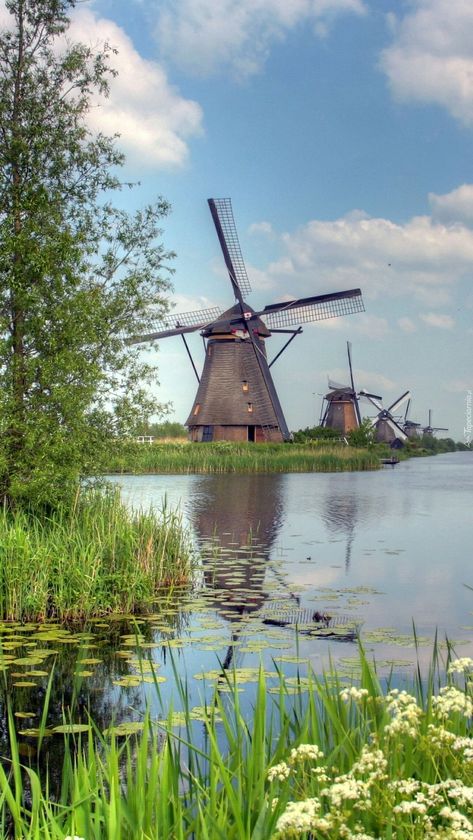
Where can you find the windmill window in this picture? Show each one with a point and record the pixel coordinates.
(250, 408)
(245, 386)
(196, 409)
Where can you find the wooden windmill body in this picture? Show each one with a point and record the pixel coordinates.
(342, 410)
(236, 397)
(387, 423)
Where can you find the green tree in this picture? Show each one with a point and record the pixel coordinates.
(77, 274)
(364, 435)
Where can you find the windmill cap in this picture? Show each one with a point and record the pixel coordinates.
(232, 320)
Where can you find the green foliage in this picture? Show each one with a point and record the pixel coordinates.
(430, 445)
(352, 761)
(76, 273)
(364, 435)
(226, 456)
(316, 433)
(115, 559)
(167, 429)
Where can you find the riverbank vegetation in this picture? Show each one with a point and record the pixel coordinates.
(227, 457)
(346, 762)
(90, 559)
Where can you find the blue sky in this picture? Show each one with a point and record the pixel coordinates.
(343, 132)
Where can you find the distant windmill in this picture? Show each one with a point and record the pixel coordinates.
(387, 422)
(429, 429)
(409, 426)
(236, 398)
(342, 411)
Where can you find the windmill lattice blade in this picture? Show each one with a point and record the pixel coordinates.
(372, 399)
(222, 214)
(397, 403)
(336, 386)
(177, 324)
(307, 310)
(191, 319)
(395, 428)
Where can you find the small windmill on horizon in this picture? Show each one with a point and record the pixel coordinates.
(236, 397)
(429, 429)
(342, 410)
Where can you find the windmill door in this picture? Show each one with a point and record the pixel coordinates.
(207, 434)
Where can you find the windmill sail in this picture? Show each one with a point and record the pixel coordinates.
(222, 215)
(311, 309)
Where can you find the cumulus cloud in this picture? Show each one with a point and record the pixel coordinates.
(264, 228)
(364, 379)
(431, 58)
(203, 36)
(437, 319)
(421, 258)
(407, 325)
(459, 386)
(154, 121)
(455, 206)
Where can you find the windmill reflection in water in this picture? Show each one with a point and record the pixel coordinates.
(237, 520)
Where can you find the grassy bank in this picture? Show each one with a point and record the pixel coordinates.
(347, 762)
(226, 457)
(99, 557)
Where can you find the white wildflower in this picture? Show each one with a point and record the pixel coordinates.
(459, 666)
(456, 818)
(452, 700)
(464, 745)
(407, 806)
(405, 712)
(298, 816)
(406, 787)
(345, 789)
(279, 771)
(354, 693)
(440, 737)
(320, 774)
(305, 752)
(371, 762)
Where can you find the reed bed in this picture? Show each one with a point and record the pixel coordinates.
(97, 558)
(354, 762)
(227, 457)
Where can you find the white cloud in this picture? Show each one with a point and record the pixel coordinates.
(407, 325)
(203, 36)
(364, 380)
(437, 319)
(155, 122)
(264, 228)
(431, 57)
(459, 386)
(421, 259)
(455, 206)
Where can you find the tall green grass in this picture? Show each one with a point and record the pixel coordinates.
(97, 558)
(227, 457)
(358, 762)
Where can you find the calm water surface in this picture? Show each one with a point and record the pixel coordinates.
(323, 553)
(385, 549)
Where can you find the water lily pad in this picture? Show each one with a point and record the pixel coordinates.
(124, 729)
(28, 660)
(25, 684)
(70, 728)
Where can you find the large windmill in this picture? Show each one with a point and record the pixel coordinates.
(236, 398)
(429, 429)
(342, 410)
(388, 422)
